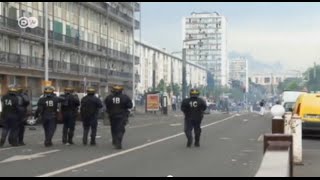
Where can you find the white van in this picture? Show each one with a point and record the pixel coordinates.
(288, 98)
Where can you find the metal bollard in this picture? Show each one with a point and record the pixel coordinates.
(277, 126)
(278, 121)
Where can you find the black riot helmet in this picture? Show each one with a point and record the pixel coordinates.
(194, 93)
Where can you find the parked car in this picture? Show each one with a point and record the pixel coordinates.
(308, 108)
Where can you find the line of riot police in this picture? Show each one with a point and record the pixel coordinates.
(14, 114)
(117, 104)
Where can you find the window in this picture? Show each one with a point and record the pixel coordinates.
(266, 80)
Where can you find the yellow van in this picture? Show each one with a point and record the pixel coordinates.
(307, 107)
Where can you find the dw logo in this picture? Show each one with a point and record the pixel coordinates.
(28, 22)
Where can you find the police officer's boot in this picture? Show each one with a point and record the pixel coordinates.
(113, 139)
(197, 141)
(2, 141)
(13, 141)
(70, 136)
(118, 143)
(118, 146)
(64, 136)
(85, 137)
(47, 143)
(93, 141)
(189, 142)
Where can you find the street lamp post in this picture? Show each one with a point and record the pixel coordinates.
(133, 57)
(184, 63)
(46, 75)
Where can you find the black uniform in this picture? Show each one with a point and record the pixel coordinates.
(193, 109)
(23, 104)
(69, 109)
(10, 116)
(118, 106)
(48, 110)
(90, 106)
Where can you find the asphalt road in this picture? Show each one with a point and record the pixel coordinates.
(154, 145)
(310, 158)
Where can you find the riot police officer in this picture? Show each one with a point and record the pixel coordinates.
(10, 117)
(117, 106)
(89, 110)
(69, 109)
(48, 110)
(23, 105)
(193, 109)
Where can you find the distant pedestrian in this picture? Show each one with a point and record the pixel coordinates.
(262, 109)
(174, 103)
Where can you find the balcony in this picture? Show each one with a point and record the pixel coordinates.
(33, 63)
(137, 7)
(137, 78)
(136, 24)
(63, 40)
(116, 14)
(137, 60)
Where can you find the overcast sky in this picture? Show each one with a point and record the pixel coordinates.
(269, 31)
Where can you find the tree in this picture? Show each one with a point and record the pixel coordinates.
(169, 89)
(161, 86)
(176, 89)
(291, 84)
(312, 76)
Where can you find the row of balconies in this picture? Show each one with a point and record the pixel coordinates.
(34, 63)
(76, 43)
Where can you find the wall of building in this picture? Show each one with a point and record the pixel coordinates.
(168, 68)
(87, 45)
(239, 71)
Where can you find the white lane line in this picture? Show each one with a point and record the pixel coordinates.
(225, 138)
(3, 149)
(260, 138)
(140, 126)
(122, 152)
(28, 157)
(177, 124)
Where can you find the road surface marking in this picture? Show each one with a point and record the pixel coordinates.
(225, 138)
(146, 125)
(260, 139)
(248, 151)
(140, 126)
(177, 124)
(3, 149)
(122, 152)
(28, 157)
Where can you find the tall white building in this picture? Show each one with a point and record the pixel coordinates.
(239, 71)
(204, 37)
